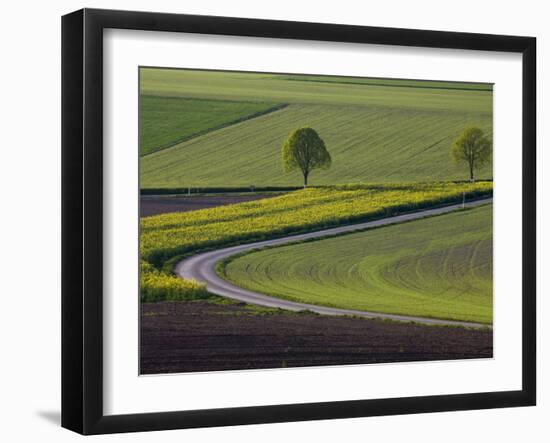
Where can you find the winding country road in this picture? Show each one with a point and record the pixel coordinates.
(201, 267)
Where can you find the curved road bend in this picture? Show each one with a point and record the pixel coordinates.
(201, 267)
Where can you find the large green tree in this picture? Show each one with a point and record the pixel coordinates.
(472, 148)
(305, 150)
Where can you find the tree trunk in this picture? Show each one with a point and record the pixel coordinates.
(305, 179)
(472, 172)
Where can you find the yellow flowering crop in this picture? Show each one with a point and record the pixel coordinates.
(166, 237)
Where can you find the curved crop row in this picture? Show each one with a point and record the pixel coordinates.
(437, 267)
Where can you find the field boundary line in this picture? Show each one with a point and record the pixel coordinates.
(387, 85)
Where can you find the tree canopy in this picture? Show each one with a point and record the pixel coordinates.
(305, 150)
(473, 148)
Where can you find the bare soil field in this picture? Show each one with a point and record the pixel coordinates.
(154, 205)
(201, 336)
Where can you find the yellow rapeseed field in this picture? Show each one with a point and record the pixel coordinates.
(167, 238)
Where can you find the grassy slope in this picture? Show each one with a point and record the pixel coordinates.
(438, 267)
(167, 120)
(380, 144)
(267, 87)
(374, 133)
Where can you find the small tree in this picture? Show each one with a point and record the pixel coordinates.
(472, 148)
(305, 150)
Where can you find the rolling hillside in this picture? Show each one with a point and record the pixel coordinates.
(374, 132)
(241, 86)
(437, 267)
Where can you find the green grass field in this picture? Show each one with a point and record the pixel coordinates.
(436, 267)
(168, 120)
(272, 88)
(374, 132)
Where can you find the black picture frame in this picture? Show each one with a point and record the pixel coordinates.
(82, 218)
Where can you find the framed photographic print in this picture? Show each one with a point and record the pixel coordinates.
(269, 221)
